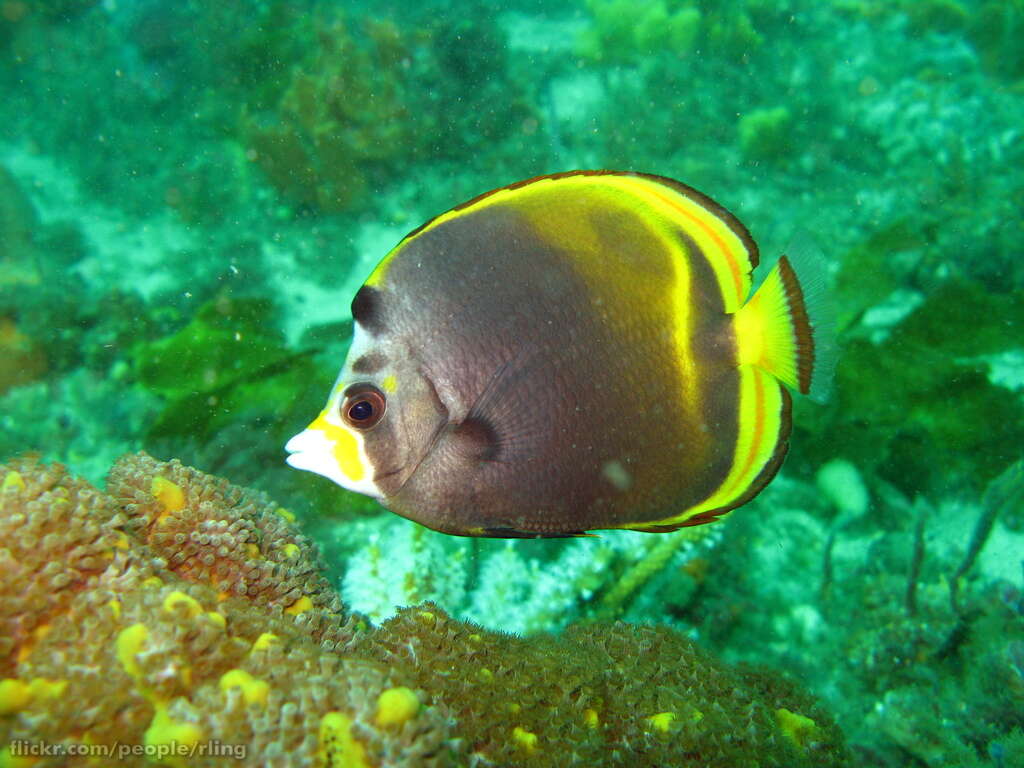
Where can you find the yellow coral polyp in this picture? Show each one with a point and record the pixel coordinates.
(396, 706)
(169, 495)
(178, 598)
(662, 721)
(217, 618)
(301, 605)
(590, 718)
(290, 550)
(484, 675)
(152, 582)
(13, 480)
(800, 730)
(164, 731)
(16, 695)
(526, 740)
(38, 634)
(264, 641)
(254, 690)
(337, 747)
(47, 689)
(287, 515)
(130, 642)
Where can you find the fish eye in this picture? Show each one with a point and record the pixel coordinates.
(363, 406)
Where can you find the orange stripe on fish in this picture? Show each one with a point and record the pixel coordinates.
(756, 437)
(730, 258)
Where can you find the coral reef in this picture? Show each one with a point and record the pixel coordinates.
(371, 95)
(179, 612)
(523, 587)
(602, 694)
(186, 619)
(19, 223)
(628, 33)
(765, 134)
(394, 564)
(623, 32)
(335, 120)
(24, 359)
(927, 668)
(210, 532)
(98, 419)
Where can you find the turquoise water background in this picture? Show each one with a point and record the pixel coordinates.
(190, 194)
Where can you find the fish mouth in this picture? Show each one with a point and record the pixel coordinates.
(314, 451)
(298, 446)
(311, 451)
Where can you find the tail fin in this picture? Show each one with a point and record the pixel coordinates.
(784, 328)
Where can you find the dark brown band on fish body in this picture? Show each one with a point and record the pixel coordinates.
(764, 477)
(714, 348)
(366, 309)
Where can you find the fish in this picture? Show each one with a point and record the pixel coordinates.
(575, 352)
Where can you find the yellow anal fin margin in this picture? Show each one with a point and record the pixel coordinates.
(762, 439)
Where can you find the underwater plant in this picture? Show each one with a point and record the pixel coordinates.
(369, 95)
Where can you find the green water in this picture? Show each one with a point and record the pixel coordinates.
(191, 193)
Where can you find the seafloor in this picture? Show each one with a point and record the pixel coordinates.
(191, 192)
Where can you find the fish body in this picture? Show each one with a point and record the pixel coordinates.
(571, 353)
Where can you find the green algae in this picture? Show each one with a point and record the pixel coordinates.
(911, 406)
